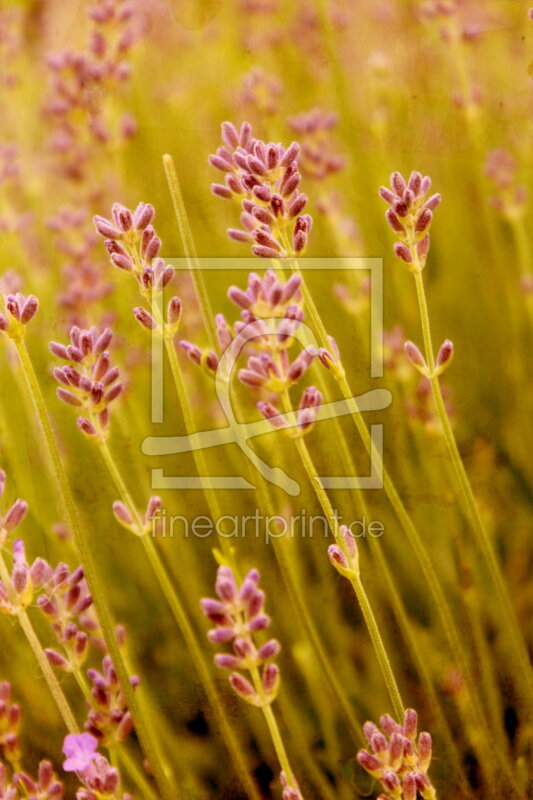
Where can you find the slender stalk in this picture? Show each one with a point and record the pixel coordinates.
(146, 736)
(183, 622)
(207, 317)
(466, 495)
(486, 751)
(366, 608)
(188, 246)
(48, 673)
(275, 733)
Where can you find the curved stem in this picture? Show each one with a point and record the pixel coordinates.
(44, 665)
(466, 495)
(366, 608)
(275, 733)
(146, 736)
(183, 622)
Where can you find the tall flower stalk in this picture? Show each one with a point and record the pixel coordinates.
(16, 312)
(410, 215)
(92, 388)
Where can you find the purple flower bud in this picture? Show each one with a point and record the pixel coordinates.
(15, 515)
(68, 397)
(104, 227)
(56, 659)
(409, 786)
(445, 354)
(410, 722)
(414, 355)
(369, 762)
(239, 297)
(422, 247)
(423, 220)
(144, 318)
(389, 725)
(268, 650)
(219, 190)
(291, 153)
(387, 195)
(242, 687)
(402, 251)
(369, 729)
(301, 364)
(29, 309)
(415, 182)
(337, 557)
(221, 635)
(290, 185)
(230, 137)
(270, 678)
(424, 750)
(433, 202)
(297, 206)
(396, 750)
(122, 513)
(261, 251)
(349, 541)
(393, 221)
(397, 183)
(390, 781)
(102, 342)
(86, 427)
(226, 661)
(272, 414)
(143, 216)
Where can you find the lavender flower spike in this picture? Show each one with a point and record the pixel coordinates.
(397, 761)
(410, 215)
(238, 617)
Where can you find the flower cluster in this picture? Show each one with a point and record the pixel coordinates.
(410, 215)
(81, 81)
(45, 786)
(88, 382)
(17, 592)
(271, 314)
(344, 556)
(317, 158)
(67, 604)
(100, 780)
(19, 311)
(264, 178)
(511, 197)
(259, 91)
(398, 761)
(109, 719)
(238, 617)
(133, 245)
(9, 725)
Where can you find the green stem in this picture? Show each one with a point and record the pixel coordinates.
(48, 673)
(466, 495)
(91, 572)
(182, 620)
(486, 752)
(366, 608)
(188, 246)
(275, 733)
